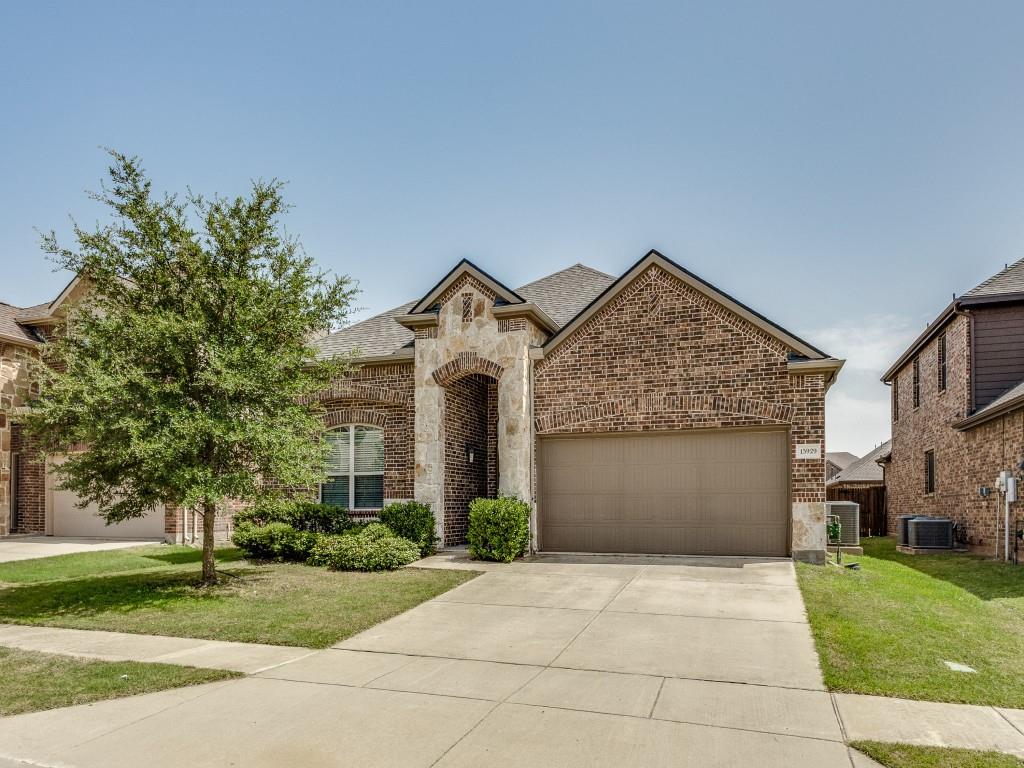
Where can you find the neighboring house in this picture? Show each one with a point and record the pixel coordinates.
(649, 413)
(863, 481)
(29, 502)
(958, 411)
(836, 462)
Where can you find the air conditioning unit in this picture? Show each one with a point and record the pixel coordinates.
(902, 530)
(930, 533)
(848, 513)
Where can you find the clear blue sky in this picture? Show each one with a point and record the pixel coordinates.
(843, 168)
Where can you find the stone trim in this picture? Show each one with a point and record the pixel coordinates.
(466, 364)
(343, 416)
(779, 413)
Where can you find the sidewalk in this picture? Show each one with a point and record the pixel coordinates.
(248, 658)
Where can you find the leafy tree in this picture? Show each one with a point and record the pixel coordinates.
(184, 374)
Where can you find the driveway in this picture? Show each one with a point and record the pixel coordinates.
(30, 547)
(554, 662)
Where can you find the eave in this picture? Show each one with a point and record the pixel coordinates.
(530, 311)
(988, 414)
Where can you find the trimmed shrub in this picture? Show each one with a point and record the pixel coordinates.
(413, 521)
(299, 514)
(274, 541)
(376, 548)
(499, 529)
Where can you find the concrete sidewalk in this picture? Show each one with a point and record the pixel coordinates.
(249, 658)
(14, 548)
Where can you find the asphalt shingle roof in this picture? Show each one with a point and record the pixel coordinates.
(9, 328)
(1010, 280)
(841, 459)
(561, 296)
(864, 470)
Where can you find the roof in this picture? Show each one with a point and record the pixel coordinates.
(10, 330)
(652, 257)
(560, 295)
(566, 298)
(1006, 285)
(1010, 400)
(864, 470)
(1010, 280)
(841, 459)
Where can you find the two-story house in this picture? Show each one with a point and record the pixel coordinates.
(958, 411)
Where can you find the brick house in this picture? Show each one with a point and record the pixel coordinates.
(958, 411)
(645, 413)
(648, 413)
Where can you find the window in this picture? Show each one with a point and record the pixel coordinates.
(355, 468)
(917, 382)
(929, 471)
(942, 362)
(896, 397)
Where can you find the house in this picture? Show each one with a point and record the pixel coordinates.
(648, 413)
(863, 482)
(958, 412)
(836, 462)
(29, 500)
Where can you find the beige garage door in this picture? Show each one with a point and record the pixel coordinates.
(69, 520)
(718, 492)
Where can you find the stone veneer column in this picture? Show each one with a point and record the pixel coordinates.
(429, 439)
(514, 471)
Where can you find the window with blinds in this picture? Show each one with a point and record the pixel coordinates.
(355, 468)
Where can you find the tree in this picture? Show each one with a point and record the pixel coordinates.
(184, 375)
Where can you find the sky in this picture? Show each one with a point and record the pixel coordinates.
(843, 168)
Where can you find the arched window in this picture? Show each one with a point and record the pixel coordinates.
(355, 468)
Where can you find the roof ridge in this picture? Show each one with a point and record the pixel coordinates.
(566, 269)
(993, 278)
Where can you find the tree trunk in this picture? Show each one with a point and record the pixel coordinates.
(209, 517)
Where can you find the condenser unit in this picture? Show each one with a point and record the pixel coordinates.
(930, 533)
(902, 531)
(848, 513)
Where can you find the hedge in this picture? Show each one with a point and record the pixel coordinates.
(375, 548)
(413, 521)
(499, 529)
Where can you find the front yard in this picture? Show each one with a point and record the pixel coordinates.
(907, 756)
(887, 628)
(34, 681)
(152, 590)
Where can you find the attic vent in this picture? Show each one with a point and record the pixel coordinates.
(467, 307)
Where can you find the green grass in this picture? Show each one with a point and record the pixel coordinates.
(907, 756)
(887, 628)
(109, 561)
(32, 681)
(276, 603)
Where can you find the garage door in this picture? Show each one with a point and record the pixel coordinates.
(69, 520)
(718, 492)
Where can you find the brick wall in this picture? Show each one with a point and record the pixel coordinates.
(662, 356)
(381, 395)
(15, 391)
(467, 422)
(31, 483)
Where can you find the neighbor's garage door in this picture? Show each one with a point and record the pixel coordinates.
(69, 520)
(716, 492)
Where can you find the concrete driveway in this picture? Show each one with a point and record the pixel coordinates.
(556, 662)
(30, 547)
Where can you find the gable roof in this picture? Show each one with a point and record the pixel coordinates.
(841, 459)
(1005, 285)
(465, 267)
(652, 258)
(560, 296)
(865, 470)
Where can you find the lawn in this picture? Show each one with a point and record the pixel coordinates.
(887, 628)
(154, 590)
(33, 681)
(906, 756)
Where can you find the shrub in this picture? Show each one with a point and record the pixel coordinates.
(274, 541)
(499, 529)
(376, 548)
(299, 514)
(413, 521)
